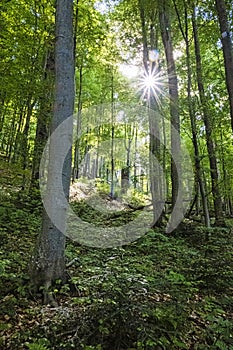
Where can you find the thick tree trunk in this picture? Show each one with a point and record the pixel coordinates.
(208, 129)
(48, 262)
(227, 50)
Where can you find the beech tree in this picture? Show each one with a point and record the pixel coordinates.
(185, 31)
(221, 7)
(148, 15)
(165, 26)
(208, 127)
(44, 115)
(48, 262)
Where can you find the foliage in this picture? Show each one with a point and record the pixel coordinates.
(103, 188)
(88, 211)
(159, 292)
(38, 345)
(136, 198)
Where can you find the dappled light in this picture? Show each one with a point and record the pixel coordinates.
(116, 175)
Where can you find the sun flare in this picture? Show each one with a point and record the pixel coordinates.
(152, 84)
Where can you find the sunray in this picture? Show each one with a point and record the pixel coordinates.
(152, 84)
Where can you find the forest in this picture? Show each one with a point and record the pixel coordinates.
(116, 175)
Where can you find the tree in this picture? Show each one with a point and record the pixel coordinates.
(149, 43)
(48, 263)
(227, 50)
(165, 26)
(208, 128)
(22, 92)
(198, 170)
(43, 116)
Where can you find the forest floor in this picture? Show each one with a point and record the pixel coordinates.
(159, 292)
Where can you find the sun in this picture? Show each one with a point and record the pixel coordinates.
(152, 84)
(149, 81)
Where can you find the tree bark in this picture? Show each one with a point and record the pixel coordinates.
(25, 143)
(154, 121)
(208, 129)
(79, 122)
(125, 171)
(227, 50)
(48, 262)
(199, 178)
(112, 187)
(177, 200)
(44, 117)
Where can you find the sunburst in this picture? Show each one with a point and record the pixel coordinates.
(153, 84)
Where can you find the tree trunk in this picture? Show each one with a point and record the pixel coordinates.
(11, 138)
(154, 121)
(177, 197)
(43, 118)
(25, 144)
(18, 136)
(2, 113)
(227, 50)
(197, 161)
(79, 122)
(48, 262)
(125, 171)
(112, 187)
(155, 161)
(144, 34)
(208, 129)
(135, 179)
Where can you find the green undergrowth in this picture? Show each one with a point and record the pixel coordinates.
(87, 212)
(160, 292)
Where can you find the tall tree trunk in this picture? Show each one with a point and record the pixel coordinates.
(155, 163)
(112, 189)
(75, 173)
(2, 112)
(199, 178)
(208, 128)
(154, 121)
(17, 142)
(11, 138)
(78, 130)
(177, 197)
(135, 179)
(125, 171)
(227, 50)
(43, 117)
(48, 262)
(25, 144)
(144, 34)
